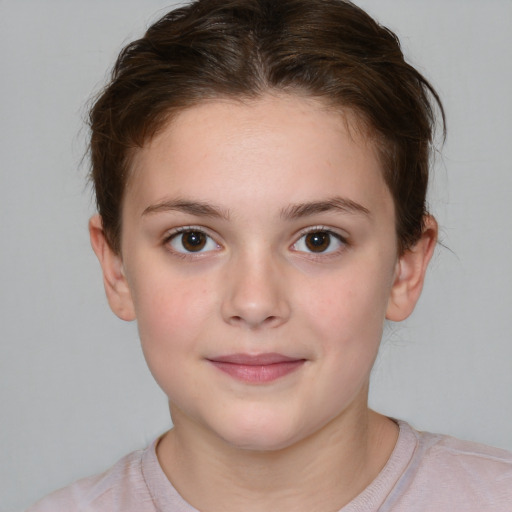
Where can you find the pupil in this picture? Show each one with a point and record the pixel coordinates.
(318, 241)
(194, 241)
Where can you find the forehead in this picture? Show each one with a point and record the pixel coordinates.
(271, 144)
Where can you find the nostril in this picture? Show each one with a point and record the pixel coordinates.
(254, 303)
(268, 321)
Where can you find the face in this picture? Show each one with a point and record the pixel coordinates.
(259, 257)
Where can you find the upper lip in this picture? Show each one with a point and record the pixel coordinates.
(254, 360)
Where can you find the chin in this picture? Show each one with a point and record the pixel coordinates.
(260, 434)
(258, 442)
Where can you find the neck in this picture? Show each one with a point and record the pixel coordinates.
(322, 472)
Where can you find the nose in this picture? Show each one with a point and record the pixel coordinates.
(255, 293)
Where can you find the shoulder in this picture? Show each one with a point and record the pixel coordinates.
(119, 488)
(450, 472)
(465, 459)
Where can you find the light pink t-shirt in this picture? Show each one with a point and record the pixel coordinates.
(426, 472)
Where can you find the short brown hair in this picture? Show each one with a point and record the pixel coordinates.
(327, 49)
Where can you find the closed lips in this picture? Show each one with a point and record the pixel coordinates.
(259, 368)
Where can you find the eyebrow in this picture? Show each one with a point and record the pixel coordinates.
(340, 204)
(198, 208)
(294, 211)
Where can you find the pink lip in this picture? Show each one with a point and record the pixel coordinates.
(257, 369)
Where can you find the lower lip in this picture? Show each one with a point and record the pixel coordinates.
(258, 374)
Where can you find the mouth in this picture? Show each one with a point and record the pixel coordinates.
(257, 369)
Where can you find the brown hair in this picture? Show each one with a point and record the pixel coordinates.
(327, 49)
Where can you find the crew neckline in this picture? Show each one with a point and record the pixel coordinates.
(165, 497)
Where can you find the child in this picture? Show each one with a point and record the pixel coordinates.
(260, 169)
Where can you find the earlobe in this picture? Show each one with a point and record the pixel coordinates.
(410, 273)
(114, 280)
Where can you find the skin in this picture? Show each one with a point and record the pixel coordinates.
(255, 178)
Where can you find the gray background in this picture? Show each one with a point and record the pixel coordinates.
(75, 393)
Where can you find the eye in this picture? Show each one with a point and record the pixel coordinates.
(192, 241)
(319, 241)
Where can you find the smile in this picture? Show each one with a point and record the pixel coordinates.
(257, 369)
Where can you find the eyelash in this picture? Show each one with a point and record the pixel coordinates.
(326, 231)
(187, 254)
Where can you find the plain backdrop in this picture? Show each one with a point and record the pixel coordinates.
(75, 392)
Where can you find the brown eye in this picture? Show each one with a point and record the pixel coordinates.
(319, 241)
(190, 241)
(193, 241)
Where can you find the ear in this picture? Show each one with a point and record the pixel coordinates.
(114, 280)
(410, 273)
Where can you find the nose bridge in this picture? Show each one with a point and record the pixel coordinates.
(256, 289)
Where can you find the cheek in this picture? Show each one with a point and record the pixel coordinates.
(172, 317)
(170, 329)
(349, 309)
(169, 302)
